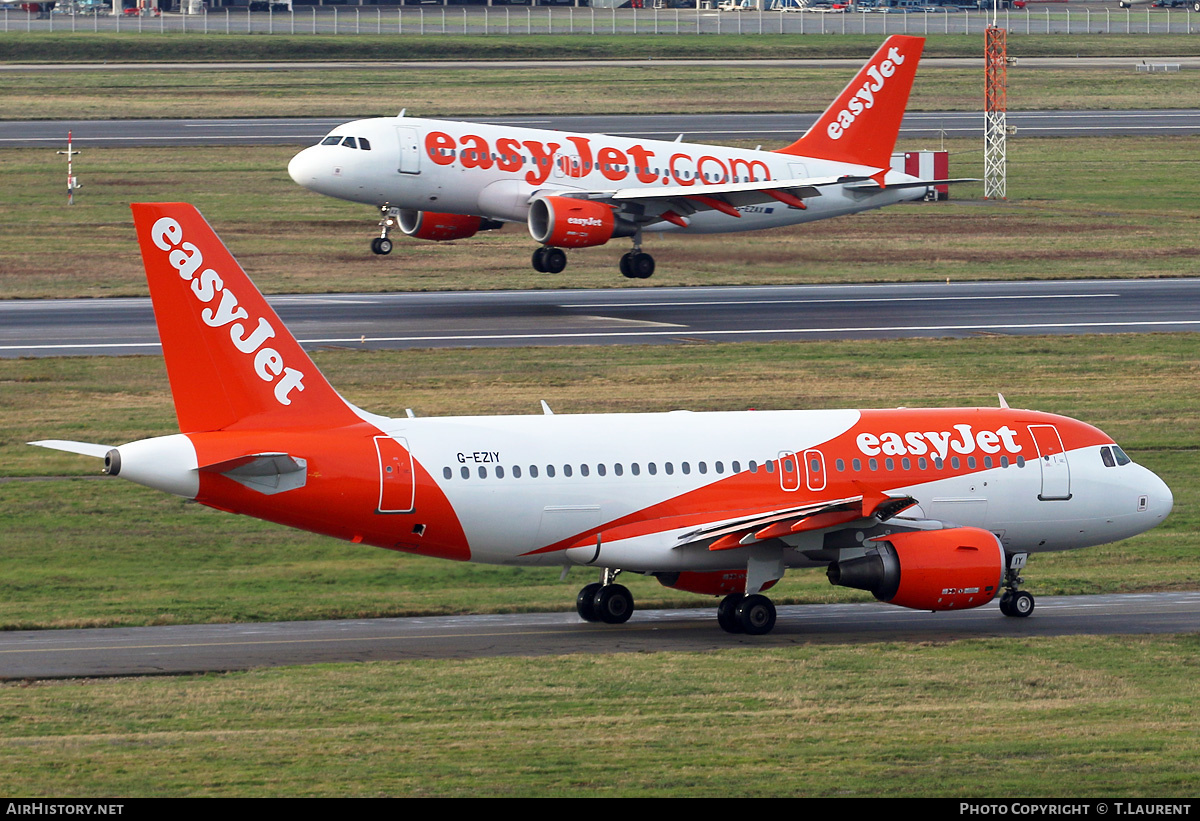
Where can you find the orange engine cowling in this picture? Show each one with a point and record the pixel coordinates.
(570, 223)
(952, 569)
(707, 582)
(438, 227)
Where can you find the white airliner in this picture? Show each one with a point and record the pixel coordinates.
(442, 180)
(928, 509)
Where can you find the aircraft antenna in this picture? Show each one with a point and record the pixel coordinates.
(995, 133)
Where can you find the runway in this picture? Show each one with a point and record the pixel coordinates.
(640, 315)
(216, 647)
(765, 127)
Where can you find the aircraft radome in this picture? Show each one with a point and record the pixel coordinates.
(929, 509)
(443, 180)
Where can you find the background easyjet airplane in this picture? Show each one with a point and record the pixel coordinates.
(930, 509)
(443, 180)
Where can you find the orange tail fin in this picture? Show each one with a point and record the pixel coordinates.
(231, 362)
(862, 124)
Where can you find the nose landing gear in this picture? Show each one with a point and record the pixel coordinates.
(1013, 602)
(387, 221)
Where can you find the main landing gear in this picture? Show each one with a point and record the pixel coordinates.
(549, 260)
(1013, 602)
(605, 601)
(753, 615)
(387, 221)
(636, 264)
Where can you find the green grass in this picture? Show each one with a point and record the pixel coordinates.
(643, 89)
(83, 551)
(89, 47)
(1046, 718)
(1071, 214)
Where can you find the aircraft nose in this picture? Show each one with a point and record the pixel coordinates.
(303, 168)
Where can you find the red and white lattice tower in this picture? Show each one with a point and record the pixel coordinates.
(995, 130)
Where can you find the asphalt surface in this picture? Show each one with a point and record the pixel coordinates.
(765, 127)
(202, 648)
(639, 315)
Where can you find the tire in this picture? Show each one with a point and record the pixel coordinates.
(625, 265)
(642, 266)
(554, 260)
(727, 614)
(1022, 604)
(756, 614)
(585, 602)
(385, 246)
(613, 604)
(539, 259)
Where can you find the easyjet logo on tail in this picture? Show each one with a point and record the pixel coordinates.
(864, 98)
(206, 285)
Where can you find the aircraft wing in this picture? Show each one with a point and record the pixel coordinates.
(731, 533)
(676, 202)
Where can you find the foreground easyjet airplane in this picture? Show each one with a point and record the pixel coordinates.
(443, 180)
(930, 509)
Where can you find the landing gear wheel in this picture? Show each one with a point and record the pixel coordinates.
(585, 602)
(756, 614)
(1020, 605)
(626, 270)
(555, 260)
(381, 245)
(727, 613)
(1196, 6)
(539, 259)
(613, 604)
(642, 265)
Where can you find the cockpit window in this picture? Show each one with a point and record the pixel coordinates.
(1122, 459)
(1106, 455)
(350, 142)
(331, 140)
(363, 144)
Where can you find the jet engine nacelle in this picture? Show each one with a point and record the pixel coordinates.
(440, 227)
(565, 222)
(953, 569)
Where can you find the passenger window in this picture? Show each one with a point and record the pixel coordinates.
(583, 470)
(840, 465)
(499, 472)
(686, 468)
(670, 468)
(737, 466)
(516, 471)
(550, 471)
(448, 473)
(753, 466)
(720, 467)
(566, 470)
(482, 472)
(857, 465)
(533, 472)
(635, 468)
(618, 469)
(652, 469)
(466, 472)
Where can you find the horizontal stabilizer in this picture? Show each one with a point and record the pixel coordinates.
(871, 185)
(82, 448)
(267, 473)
